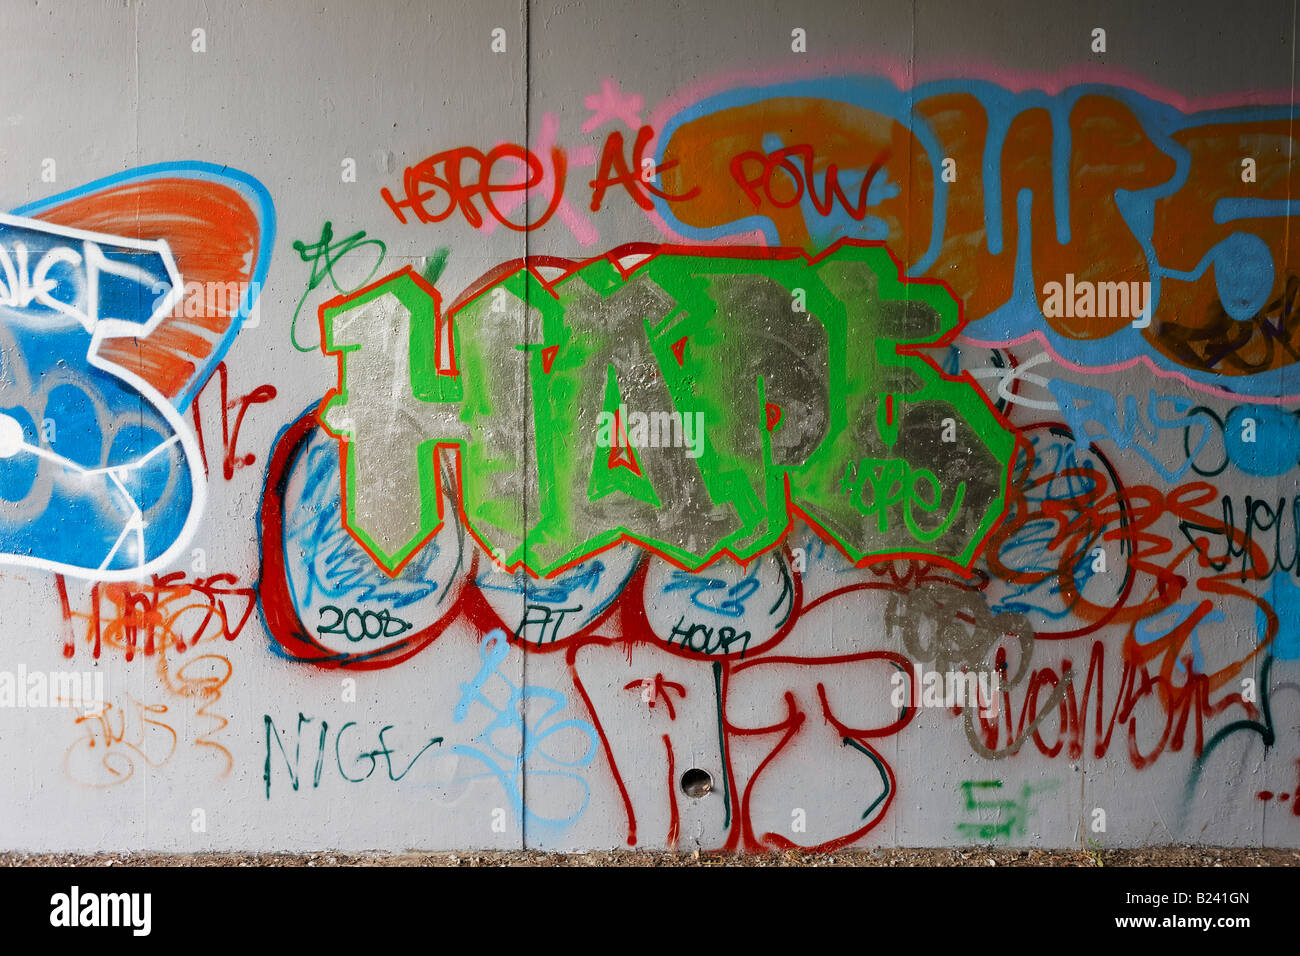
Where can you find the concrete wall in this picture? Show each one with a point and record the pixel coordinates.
(363, 533)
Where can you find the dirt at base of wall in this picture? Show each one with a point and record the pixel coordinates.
(947, 856)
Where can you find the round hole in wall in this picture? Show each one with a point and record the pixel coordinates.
(696, 783)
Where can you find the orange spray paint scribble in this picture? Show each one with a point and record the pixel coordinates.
(213, 234)
(163, 619)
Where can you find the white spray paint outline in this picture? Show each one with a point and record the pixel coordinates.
(119, 328)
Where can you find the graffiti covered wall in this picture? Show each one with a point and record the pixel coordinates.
(426, 425)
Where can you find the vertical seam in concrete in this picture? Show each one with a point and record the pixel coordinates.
(906, 256)
(1261, 674)
(1290, 149)
(140, 402)
(135, 23)
(526, 408)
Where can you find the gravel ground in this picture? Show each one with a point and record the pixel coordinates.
(966, 856)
